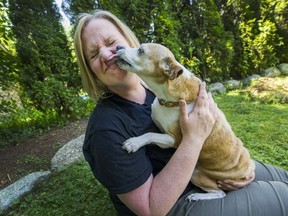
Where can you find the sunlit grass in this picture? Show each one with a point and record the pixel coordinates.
(262, 127)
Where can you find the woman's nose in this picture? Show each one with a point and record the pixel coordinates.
(106, 52)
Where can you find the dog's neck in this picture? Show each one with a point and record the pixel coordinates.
(171, 103)
(169, 93)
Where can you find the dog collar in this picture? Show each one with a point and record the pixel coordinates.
(170, 103)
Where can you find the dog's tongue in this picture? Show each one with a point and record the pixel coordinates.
(112, 59)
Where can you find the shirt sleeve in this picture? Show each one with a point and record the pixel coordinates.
(115, 168)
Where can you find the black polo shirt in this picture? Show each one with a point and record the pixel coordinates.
(113, 121)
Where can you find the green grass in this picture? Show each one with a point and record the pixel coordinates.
(71, 192)
(261, 124)
(262, 127)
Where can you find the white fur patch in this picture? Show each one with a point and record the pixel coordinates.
(165, 116)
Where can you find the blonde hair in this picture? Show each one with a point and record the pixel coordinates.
(91, 84)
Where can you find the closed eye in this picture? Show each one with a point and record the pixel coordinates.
(94, 55)
(111, 43)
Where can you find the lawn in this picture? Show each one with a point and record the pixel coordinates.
(261, 124)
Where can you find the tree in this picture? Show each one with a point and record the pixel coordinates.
(151, 21)
(8, 67)
(166, 26)
(277, 13)
(134, 13)
(73, 8)
(217, 39)
(205, 38)
(48, 72)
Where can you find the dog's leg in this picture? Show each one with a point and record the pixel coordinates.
(211, 194)
(162, 140)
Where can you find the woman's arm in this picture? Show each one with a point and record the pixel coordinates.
(158, 194)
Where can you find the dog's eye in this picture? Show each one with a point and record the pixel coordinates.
(140, 50)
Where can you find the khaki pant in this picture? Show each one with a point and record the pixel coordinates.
(267, 195)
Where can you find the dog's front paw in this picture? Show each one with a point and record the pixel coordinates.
(133, 144)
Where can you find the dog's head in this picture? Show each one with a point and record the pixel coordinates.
(149, 60)
(157, 66)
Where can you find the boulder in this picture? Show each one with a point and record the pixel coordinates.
(272, 72)
(21, 187)
(233, 84)
(68, 154)
(216, 88)
(253, 76)
(283, 68)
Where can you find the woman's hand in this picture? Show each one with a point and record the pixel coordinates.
(199, 123)
(229, 185)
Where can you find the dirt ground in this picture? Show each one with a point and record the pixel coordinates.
(35, 154)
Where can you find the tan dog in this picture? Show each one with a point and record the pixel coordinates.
(223, 156)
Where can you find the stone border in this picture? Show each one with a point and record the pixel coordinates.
(65, 156)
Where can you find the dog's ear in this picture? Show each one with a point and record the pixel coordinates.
(171, 68)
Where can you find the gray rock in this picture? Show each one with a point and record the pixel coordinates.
(283, 68)
(68, 154)
(253, 76)
(21, 187)
(217, 88)
(247, 81)
(233, 84)
(272, 72)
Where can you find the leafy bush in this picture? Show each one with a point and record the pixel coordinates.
(26, 123)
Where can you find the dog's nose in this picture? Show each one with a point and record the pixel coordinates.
(120, 47)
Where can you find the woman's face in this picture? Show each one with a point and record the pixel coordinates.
(100, 39)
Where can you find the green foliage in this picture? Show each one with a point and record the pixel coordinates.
(8, 66)
(260, 44)
(227, 38)
(55, 94)
(205, 45)
(259, 37)
(166, 26)
(48, 73)
(27, 123)
(136, 14)
(71, 192)
(277, 13)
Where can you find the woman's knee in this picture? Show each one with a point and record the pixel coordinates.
(267, 172)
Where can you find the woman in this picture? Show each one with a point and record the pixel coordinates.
(153, 181)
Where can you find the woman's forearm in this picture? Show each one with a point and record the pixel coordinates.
(170, 183)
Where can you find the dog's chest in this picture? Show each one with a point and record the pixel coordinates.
(164, 116)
